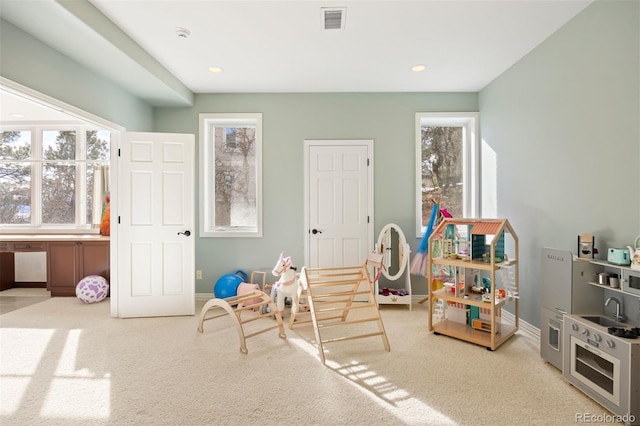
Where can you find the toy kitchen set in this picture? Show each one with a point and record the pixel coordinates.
(590, 322)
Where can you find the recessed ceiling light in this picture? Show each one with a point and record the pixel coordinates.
(418, 68)
(215, 70)
(16, 115)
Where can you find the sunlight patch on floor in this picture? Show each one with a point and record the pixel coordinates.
(78, 399)
(22, 359)
(395, 400)
(12, 390)
(18, 363)
(76, 393)
(71, 394)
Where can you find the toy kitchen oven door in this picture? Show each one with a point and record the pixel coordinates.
(604, 366)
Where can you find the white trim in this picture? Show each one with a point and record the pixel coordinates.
(471, 159)
(206, 188)
(205, 296)
(308, 143)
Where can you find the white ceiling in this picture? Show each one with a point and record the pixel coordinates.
(18, 109)
(280, 46)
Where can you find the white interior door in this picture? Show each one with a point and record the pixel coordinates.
(156, 242)
(339, 202)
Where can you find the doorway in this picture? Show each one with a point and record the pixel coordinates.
(338, 202)
(50, 110)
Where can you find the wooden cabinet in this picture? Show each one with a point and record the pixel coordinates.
(7, 270)
(471, 278)
(30, 246)
(70, 261)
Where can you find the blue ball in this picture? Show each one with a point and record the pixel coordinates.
(227, 286)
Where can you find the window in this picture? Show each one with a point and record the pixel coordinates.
(47, 174)
(231, 175)
(446, 153)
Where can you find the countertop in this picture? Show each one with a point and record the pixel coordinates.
(52, 237)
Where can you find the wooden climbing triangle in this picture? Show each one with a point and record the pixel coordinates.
(333, 295)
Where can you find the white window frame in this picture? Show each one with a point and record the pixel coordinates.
(470, 159)
(207, 171)
(80, 162)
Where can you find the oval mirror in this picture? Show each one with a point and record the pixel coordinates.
(392, 243)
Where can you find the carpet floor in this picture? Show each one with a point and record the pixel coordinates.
(67, 363)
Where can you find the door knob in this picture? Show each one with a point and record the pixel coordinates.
(315, 231)
(185, 233)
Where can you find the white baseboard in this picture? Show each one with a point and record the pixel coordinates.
(523, 326)
(204, 296)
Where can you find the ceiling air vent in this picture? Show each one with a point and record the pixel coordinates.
(333, 17)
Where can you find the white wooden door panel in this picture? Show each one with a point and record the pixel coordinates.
(339, 202)
(156, 257)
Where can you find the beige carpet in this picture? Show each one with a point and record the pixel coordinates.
(17, 298)
(66, 363)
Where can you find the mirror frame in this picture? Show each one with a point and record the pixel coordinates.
(402, 242)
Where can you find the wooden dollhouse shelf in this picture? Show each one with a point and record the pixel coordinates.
(469, 334)
(473, 264)
(484, 242)
(473, 300)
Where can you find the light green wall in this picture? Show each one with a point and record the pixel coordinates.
(26, 60)
(563, 125)
(289, 119)
(561, 128)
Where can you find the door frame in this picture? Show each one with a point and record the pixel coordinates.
(308, 143)
(116, 136)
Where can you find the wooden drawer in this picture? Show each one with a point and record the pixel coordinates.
(30, 246)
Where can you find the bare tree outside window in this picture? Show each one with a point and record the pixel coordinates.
(56, 164)
(15, 177)
(442, 177)
(235, 179)
(447, 165)
(231, 164)
(59, 177)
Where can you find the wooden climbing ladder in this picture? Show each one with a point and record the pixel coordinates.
(333, 294)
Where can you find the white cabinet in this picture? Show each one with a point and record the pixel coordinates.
(627, 289)
(627, 280)
(563, 291)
